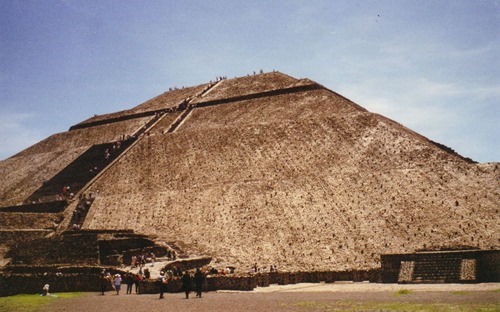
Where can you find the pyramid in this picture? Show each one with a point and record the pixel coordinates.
(262, 169)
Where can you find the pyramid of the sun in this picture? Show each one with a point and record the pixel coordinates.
(263, 169)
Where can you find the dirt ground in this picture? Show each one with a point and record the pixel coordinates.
(300, 297)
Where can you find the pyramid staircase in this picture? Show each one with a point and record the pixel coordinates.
(79, 172)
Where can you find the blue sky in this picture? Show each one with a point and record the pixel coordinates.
(431, 65)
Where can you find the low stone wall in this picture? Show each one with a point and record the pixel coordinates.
(285, 278)
(11, 284)
(474, 266)
(87, 279)
(213, 283)
(488, 267)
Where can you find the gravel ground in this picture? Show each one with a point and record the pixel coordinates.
(299, 297)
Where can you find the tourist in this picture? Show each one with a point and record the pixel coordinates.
(186, 283)
(147, 274)
(162, 281)
(199, 279)
(213, 271)
(153, 258)
(137, 282)
(104, 281)
(45, 290)
(117, 282)
(129, 280)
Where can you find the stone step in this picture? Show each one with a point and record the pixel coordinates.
(78, 173)
(12, 236)
(18, 220)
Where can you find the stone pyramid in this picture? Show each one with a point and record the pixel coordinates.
(264, 169)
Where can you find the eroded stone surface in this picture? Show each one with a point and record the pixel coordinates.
(305, 180)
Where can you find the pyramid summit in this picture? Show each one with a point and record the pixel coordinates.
(265, 169)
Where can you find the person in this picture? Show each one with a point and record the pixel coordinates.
(153, 258)
(137, 282)
(129, 280)
(186, 283)
(213, 270)
(162, 280)
(104, 281)
(45, 290)
(199, 279)
(117, 282)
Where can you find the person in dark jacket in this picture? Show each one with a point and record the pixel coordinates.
(162, 281)
(186, 283)
(199, 279)
(105, 282)
(129, 280)
(137, 282)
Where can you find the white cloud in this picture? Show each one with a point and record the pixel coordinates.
(455, 114)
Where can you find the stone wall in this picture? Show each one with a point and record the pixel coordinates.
(474, 266)
(68, 280)
(488, 267)
(73, 249)
(213, 283)
(11, 284)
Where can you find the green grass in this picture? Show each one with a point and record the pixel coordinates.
(403, 292)
(24, 303)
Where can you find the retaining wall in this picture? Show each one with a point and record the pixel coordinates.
(485, 266)
(67, 280)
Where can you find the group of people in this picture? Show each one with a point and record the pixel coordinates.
(256, 269)
(141, 259)
(187, 281)
(116, 282)
(226, 270)
(80, 212)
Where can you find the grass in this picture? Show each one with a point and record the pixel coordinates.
(403, 292)
(25, 303)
